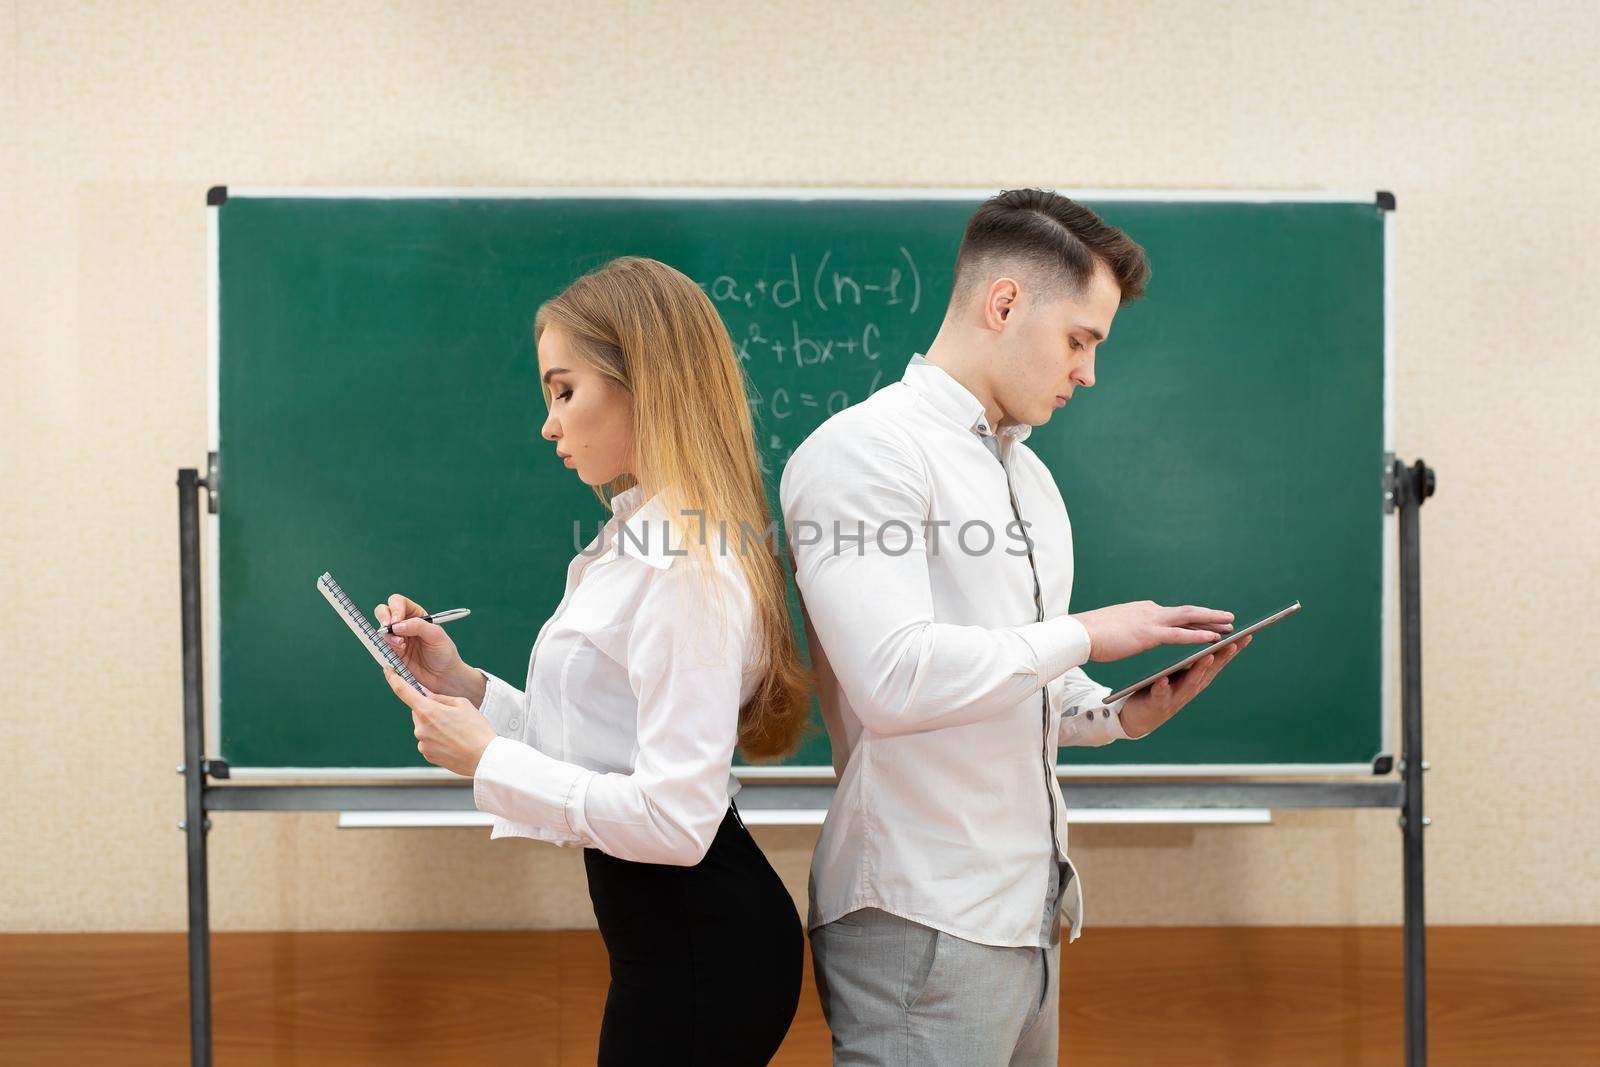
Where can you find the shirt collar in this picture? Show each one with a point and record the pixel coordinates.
(651, 536)
(953, 400)
(627, 500)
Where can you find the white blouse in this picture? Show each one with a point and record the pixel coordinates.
(624, 738)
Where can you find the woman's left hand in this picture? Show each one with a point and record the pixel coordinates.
(451, 732)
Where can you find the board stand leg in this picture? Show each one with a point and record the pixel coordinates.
(195, 824)
(1410, 486)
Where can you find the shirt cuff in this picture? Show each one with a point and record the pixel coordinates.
(1058, 644)
(1097, 724)
(1114, 724)
(518, 782)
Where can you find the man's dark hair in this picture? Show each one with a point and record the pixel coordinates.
(1059, 238)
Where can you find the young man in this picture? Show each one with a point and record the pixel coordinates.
(934, 560)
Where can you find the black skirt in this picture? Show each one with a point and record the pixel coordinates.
(705, 960)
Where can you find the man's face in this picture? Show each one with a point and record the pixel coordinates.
(1047, 347)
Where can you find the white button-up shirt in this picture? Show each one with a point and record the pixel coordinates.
(624, 738)
(933, 644)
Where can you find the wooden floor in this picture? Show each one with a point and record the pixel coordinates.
(1292, 996)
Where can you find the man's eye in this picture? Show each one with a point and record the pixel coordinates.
(1075, 344)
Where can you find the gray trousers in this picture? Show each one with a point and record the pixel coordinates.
(896, 993)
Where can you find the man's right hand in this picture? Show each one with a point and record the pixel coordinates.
(424, 647)
(1124, 630)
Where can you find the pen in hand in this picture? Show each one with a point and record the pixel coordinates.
(437, 617)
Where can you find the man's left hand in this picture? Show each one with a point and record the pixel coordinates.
(1155, 704)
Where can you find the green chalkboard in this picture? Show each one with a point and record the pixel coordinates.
(377, 415)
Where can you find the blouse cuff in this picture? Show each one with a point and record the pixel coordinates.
(518, 782)
(502, 704)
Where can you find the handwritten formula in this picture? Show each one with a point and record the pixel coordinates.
(827, 315)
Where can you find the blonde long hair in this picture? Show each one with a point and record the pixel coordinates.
(650, 329)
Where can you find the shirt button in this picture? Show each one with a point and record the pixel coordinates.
(514, 723)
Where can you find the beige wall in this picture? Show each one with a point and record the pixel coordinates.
(116, 117)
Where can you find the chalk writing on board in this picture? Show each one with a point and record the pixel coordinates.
(809, 407)
(895, 284)
(782, 402)
(804, 350)
(801, 312)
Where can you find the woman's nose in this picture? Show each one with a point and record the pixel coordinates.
(551, 430)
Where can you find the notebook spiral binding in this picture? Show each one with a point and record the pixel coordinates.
(364, 629)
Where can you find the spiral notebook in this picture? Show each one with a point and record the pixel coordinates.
(345, 608)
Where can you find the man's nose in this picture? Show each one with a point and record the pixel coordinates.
(1084, 375)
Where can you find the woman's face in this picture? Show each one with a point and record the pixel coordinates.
(591, 416)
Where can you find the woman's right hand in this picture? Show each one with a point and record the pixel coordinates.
(422, 646)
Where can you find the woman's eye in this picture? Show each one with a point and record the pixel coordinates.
(563, 394)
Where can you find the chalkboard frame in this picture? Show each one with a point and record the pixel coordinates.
(1388, 624)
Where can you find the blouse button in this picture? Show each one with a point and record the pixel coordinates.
(514, 723)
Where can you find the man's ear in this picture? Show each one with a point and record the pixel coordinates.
(1002, 301)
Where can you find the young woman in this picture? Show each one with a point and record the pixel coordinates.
(671, 645)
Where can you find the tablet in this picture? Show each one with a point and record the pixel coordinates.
(1259, 624)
